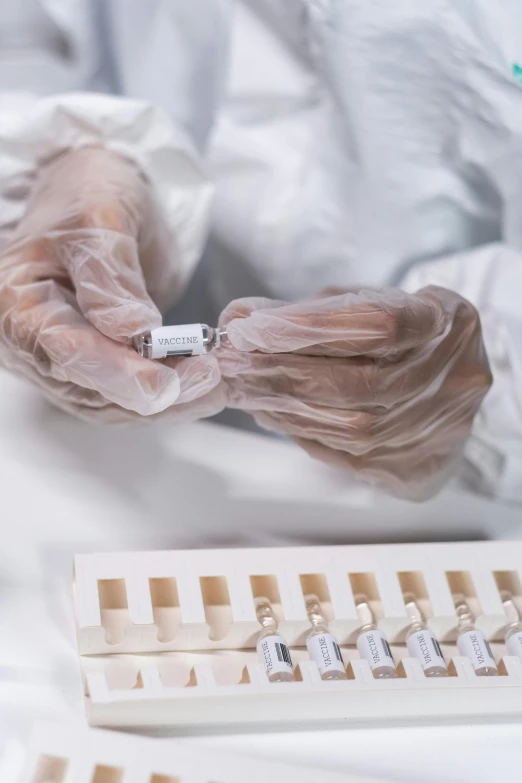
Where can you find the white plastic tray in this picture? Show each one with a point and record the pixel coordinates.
(65, 754)
(193, 613)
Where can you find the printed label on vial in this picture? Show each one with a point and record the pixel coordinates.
(182, 340)
(514, 645)
(324, 650)
(424, 646)
(475, 646)
(274, 655)
(374, 648)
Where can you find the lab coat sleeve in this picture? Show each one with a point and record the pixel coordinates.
(35, 129)
(491, 278)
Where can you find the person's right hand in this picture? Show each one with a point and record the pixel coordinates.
(78, 281)
(83, 273)
(379, 382)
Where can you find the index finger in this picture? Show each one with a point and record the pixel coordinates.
(110, 286)
(374, 323)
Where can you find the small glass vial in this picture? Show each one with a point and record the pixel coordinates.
(321, 644)
(471, 642)
(421, 642)
(513, 636)
(272, 649)
(180, 340)
(372, 644)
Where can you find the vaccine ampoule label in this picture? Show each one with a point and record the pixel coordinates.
(373, 647)
(182, 340)
(514, 645)
(424, 646)
(475, 646)
(324, 650)
(274, 655)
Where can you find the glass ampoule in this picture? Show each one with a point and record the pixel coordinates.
(421, 642)
(372, 644)
(321, 644)
(513, 634)
(272, 649)
(472, 642)
(179, 340)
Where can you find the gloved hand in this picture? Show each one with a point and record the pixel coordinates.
(380, 382)
(83, 273)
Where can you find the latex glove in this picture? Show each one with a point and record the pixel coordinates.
(380, 382)
(79, 280)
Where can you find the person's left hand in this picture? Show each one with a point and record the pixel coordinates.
(383, 383)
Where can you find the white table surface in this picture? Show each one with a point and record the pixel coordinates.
(69, 487)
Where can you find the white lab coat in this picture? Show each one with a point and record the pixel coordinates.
(348, 142)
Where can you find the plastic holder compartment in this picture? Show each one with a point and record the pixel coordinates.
(69, 754)
(193, 613)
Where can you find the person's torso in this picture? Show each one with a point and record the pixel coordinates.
(392, 135)
(348, 140)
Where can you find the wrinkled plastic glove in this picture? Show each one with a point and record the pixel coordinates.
(380, 382)
(85, 271)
